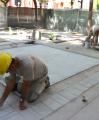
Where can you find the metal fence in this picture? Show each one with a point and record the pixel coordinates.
(68, 20)
(3, 19)
(22, 17)
(62, 20)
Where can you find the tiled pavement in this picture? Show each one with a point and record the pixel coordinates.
(78, 110)
(48, 103)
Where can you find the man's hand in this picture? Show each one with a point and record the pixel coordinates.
(7, 90)
(23, 104)
(24, 96)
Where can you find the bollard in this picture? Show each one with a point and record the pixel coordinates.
(87, 44)
(36, 35)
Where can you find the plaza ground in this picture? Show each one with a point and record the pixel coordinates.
(63, 100)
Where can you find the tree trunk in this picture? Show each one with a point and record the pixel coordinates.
(35, 3)
(81, 4)
(72, 2)
(41, 10)
(90, 22)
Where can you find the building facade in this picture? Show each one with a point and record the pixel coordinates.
(54, 4)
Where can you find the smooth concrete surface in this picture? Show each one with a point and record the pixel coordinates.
(61, 64)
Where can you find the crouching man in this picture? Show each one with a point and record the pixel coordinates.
(95, 31)
(93, 36)
(27, 74)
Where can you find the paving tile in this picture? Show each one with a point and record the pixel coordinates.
(93, 81)
(14, 117)
(90, 112)
(12, 98)
(51, 103)
(81, 87)
(85, 83)
(24, 115)
(73, 91)
(89, 82)
(6, 112)
(42, 109)
(96, 75)
(67, 94)
(60, 99)
(29, 114)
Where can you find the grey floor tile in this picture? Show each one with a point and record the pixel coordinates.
(30, 114)
(12, 100)
(51, 103)
(42, 109)
(95, 76)
(74, 91)
(82, 88)
(60, 99)
(7, 112)
(93, 81)
(85, 83)
(90, 112)
(67, 94)
(14, 117)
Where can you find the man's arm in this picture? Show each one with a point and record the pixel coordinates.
(25, 92)
(10, 86)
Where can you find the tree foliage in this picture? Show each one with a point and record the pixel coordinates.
(43, 1)
(5, 2)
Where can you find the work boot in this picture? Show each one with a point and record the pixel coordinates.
(47, 82)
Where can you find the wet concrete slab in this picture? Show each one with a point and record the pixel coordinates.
(61, 64)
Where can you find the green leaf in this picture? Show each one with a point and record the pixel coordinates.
(5, 2)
